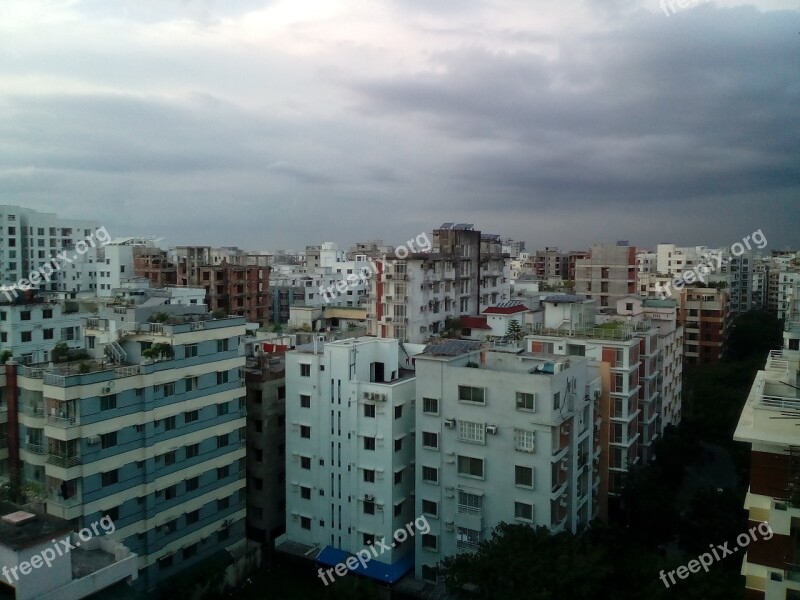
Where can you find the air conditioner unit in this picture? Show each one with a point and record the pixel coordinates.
(295, 485)
(380, 397)
(379, 505)
(379, 473)
(295, 456)
(107, 389)
(369, 498)
(93, 439)
(492, 429)
(449, 423)
(295, 517)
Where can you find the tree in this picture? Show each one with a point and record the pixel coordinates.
(60, 352)
(5, 356)
(514, 330)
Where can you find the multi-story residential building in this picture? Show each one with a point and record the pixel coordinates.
(607, 274)
(787, 284)
(573, 256)
(704, 314)
(550, 264)
(31, 328)
(760, 284)
(154, 264)
(628, 350)
(265, 377)
(29, 239)
(92, 565)
(236, 282)
(464, 273)
(769, 423)
(149, 431)
(350, 451)
(501, 436)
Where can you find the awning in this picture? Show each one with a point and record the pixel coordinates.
(375, 569)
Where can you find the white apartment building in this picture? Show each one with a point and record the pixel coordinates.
(31, 330)
(787, 284)
(501, 436)
(29, 238)
(350, 451)
(464, 273)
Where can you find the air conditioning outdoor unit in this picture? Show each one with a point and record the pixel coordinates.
(93, 439)
(492, 429)
(369, 498)
(380, 397)
(449, 423)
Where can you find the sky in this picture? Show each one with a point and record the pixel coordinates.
(279, 123)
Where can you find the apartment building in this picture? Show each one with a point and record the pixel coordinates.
(154, 264)
(464, 273)
(704, 314)
(31, 328)
(29, 238)
(628, 350)
(769, 423)
(93, 565)
(265, 377)
(149, 431)
(607, 274)
(550, 264)
(236, 282)
(350, 451)
(787, 282)
(573, 256)
(501, 436)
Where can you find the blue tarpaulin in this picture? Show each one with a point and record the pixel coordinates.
(374, 570)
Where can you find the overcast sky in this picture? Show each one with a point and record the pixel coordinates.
(275, 124)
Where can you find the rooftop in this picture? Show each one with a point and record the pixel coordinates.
(565, 298)
(30, 531)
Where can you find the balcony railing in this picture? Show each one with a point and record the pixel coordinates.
(64, 422)
(34, 448)
(33, 410)
(65, 502)
(63, 461)
(465, 509)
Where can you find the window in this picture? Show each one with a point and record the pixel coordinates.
(398, 411)
(369, 411)
(109, 477)
(556, 400)
(430, 542)
(398, 509)
(368, 539)
(191, 416)
(48, 334)
(223, 472)
(467, 537)
(430, 440)
(305, 522)
(190, 383)
(523, 511)
(108, 402)
(222, 440)
(430, 474)
(190, 350)
(222, 409)
(398, 476)
(305, 370)
(469, 431)
(305, 462)
(470, 467)
(47, 313)
(469, 504)
(222, 345)
(430, 507)
(169, 389)
(25, 315)
(165, 562)
(369, 443)
(192, 450)
(369, 475)
(398, 444)
(192, 484)
(369, 507)
(430, 406)
(190, 552)
(26, 336)
(223, 504)
(523, 476)
(107, 440)
(222, 377)
(475, 395)
(305, 431)
(305, 493)
(170, 423)
(524, 440)
(526, 401)
(305, 401)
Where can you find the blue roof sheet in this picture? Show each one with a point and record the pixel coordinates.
(387, 573)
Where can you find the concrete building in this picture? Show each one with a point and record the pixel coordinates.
(30, 329)
(705, 317)
(236, 282)
(607, 274)
(465, 273)
(29, 239)
(628, 349)
(350, 451)
(787, 282)
(550, 264)
(265, 377)
(95, 562)
(149, 430)
(769, 423)
(501, 436)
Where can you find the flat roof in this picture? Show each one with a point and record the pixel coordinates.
(29, 532)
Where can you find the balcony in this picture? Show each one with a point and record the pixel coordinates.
(34, 448)
(33, 410)
(65, 462)
(64, 422)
